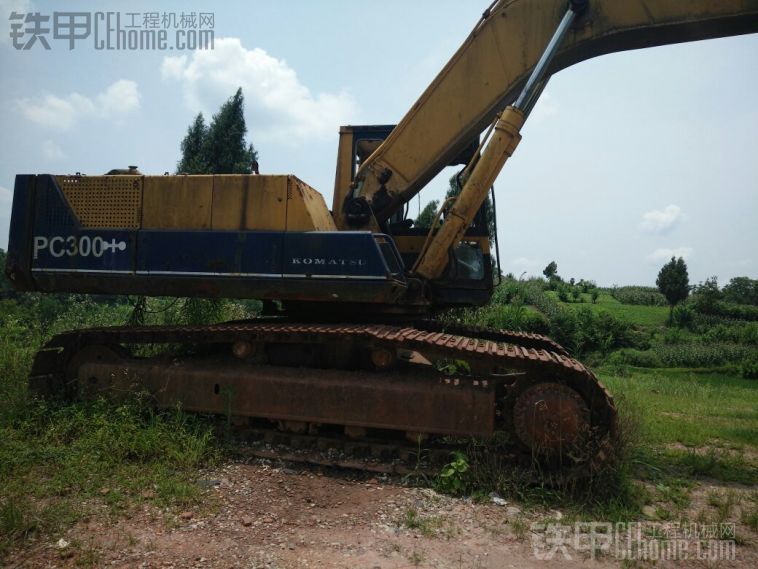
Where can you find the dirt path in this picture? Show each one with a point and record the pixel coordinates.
(256, 515)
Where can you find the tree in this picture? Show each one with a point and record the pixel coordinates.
(426, 217)
(706, 296)
(193, 161)
(551, 270)
(674, 283)
(742, 290)
(219, 148)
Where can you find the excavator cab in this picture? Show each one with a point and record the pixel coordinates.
(468, 279)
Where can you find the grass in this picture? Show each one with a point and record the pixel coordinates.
(58, 464)
(648, 316)
(694, 424)
(426, 525)
(691, 408)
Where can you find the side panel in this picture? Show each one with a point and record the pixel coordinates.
(177, 202)
(19, 254)
(51, 251)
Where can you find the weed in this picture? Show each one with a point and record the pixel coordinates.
(519, 527)
(416, 558)
(723, 502)
(749, 512)
(427, 526)
(454, 476)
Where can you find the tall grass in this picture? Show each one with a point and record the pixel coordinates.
(58, 462)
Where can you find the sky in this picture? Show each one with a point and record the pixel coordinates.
(627, 159)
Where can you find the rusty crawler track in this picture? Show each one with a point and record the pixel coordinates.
(502, 365)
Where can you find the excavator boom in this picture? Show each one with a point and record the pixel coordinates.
(490, 68)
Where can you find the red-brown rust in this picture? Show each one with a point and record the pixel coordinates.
(490, 353)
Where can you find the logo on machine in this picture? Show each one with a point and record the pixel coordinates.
(329, 261)
(71, 246)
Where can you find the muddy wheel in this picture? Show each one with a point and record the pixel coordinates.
(551, 419)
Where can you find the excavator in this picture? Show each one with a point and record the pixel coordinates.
(348, 364)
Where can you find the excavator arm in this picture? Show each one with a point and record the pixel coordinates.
(492, 66)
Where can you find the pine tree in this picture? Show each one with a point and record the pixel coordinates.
(224, 148)
(193, 161)
(219, 148)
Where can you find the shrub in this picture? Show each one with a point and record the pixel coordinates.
(742, 290)
(683, 316)
(749, 367)
(635, 358)
(639, 295)
(736, 332)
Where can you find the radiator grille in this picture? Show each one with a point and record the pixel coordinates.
(104, 201)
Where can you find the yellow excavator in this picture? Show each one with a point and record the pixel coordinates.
(348, 364)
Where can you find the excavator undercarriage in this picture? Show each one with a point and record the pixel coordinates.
(375, 395)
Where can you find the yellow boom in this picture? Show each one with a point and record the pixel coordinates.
(487, 73)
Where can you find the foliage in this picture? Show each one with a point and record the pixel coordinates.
(683, 316)
(742, 290)
(673, 282)
(638, 295)
(706, 295)
(426, 216)
(690, 355)
(193, 152)
(749, 366)
(736, 332)
(550, 270)
(58, 462)
(454, 476)
(219, 148)
(636, 358)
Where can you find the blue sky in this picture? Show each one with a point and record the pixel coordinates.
(627, 159)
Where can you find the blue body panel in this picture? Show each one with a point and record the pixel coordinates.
(52, 251)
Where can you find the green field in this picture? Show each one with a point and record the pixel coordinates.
(651, 316)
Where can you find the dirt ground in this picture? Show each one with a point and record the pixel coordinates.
(258, 515)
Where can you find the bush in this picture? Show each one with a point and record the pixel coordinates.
(749, 367)
(742, 290)
(735, 332)
(634, 358)
(683, 317)
(639, 295)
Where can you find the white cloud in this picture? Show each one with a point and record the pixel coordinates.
(5, 194)
(63, 112)
(524, 262)
(52, 151)
(545, 108)
(661, 221)
(663, 255)
(278, 105)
